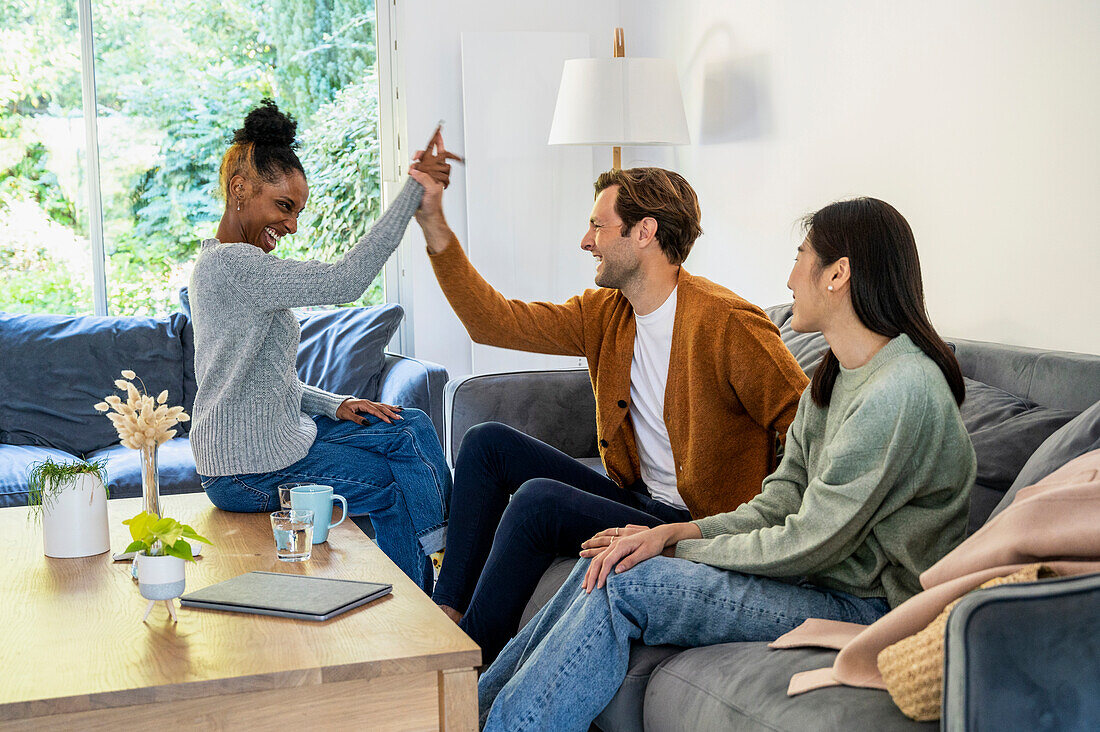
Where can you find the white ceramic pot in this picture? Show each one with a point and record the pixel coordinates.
(159, 578)
(74, 523)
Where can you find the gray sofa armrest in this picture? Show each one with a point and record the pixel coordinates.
(555, 406)
(412, 382)
(1024, 656)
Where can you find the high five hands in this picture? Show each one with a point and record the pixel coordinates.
(431, 170)
(432, 162)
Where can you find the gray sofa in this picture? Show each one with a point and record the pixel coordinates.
(1028, 411)
(54, 368)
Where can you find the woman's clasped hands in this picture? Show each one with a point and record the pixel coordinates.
(620, 548)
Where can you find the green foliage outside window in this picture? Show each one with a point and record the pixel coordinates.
(174, 79)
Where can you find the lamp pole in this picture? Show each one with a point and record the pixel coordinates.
(620, 52)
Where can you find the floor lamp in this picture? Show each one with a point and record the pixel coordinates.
(619, 101)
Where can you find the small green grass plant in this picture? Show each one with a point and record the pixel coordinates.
(47, 479)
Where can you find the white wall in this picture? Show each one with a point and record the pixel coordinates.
(978, 120)
(527, 201)
(430, 49)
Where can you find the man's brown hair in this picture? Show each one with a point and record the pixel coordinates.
(662, 195)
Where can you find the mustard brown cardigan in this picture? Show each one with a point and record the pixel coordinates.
(732, 383)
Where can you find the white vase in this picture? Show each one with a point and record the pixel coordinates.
(74, 519)
(159, 578)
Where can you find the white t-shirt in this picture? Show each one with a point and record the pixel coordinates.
(648, 376)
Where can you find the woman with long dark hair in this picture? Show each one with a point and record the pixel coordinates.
(873, 488)
(255, 424)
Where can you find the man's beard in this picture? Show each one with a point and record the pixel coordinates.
(616, 276)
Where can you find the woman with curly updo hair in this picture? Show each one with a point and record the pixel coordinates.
(256, 425)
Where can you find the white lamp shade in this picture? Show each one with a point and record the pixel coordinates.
(619, 101)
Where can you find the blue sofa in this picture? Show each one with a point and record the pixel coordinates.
(1027, 411)
(54, 368)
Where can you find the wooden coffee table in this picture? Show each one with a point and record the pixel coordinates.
(75, 654)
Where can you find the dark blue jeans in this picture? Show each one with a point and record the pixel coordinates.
(394, 473)
(499, 544)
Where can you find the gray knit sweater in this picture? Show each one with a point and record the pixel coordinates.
(251, 411)
(872, 490)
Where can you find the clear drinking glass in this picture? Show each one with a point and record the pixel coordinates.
(284, 494)
(293, 532)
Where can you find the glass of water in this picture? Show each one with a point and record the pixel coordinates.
(293, 532)
(284, 494)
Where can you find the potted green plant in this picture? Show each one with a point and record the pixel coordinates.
(161, 546)
(71, 500)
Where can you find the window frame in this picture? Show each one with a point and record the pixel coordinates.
(91, 142)
(391, 133)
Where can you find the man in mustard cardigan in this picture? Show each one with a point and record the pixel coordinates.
(692, 386)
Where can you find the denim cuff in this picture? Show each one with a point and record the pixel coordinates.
(433, 539)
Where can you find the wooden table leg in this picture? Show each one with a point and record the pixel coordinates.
(458, 700)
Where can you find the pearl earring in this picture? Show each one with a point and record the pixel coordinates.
(829, 288)
(239, 208)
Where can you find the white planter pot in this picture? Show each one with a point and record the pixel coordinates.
(160, 578)
(74, 523)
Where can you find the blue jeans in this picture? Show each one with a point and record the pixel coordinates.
(499, 544)
(395, 474)
(567, 663)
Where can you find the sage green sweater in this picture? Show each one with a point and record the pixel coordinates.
(871, 491)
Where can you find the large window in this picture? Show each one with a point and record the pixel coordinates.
(173, 79)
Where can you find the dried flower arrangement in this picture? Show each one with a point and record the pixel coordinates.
(141, 421)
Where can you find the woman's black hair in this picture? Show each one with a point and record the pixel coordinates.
(886, 286)
(264, 147)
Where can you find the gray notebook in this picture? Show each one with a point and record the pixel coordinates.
(286, 595)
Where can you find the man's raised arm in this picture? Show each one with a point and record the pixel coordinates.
(492, 319)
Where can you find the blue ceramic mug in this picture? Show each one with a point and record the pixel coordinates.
(318, 498)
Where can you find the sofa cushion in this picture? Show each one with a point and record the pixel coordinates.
(593, 463)
(190, 383)
(57, 367)
(556, 406)
(343, 351)
(1055, 378)
(15, 461)
(1079, 436)
(551, 580)
(185, 302)
(187, 337)
(983, 500)
(1005, 430)
(624, 713)
(743, 686)
(175, 464)
(807, 348)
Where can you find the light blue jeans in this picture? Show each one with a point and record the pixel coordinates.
(394, 473)
(567, 663)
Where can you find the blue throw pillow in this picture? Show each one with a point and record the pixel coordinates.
(343, 351)
(56, 367)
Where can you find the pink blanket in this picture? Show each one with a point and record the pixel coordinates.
(1055, 521)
